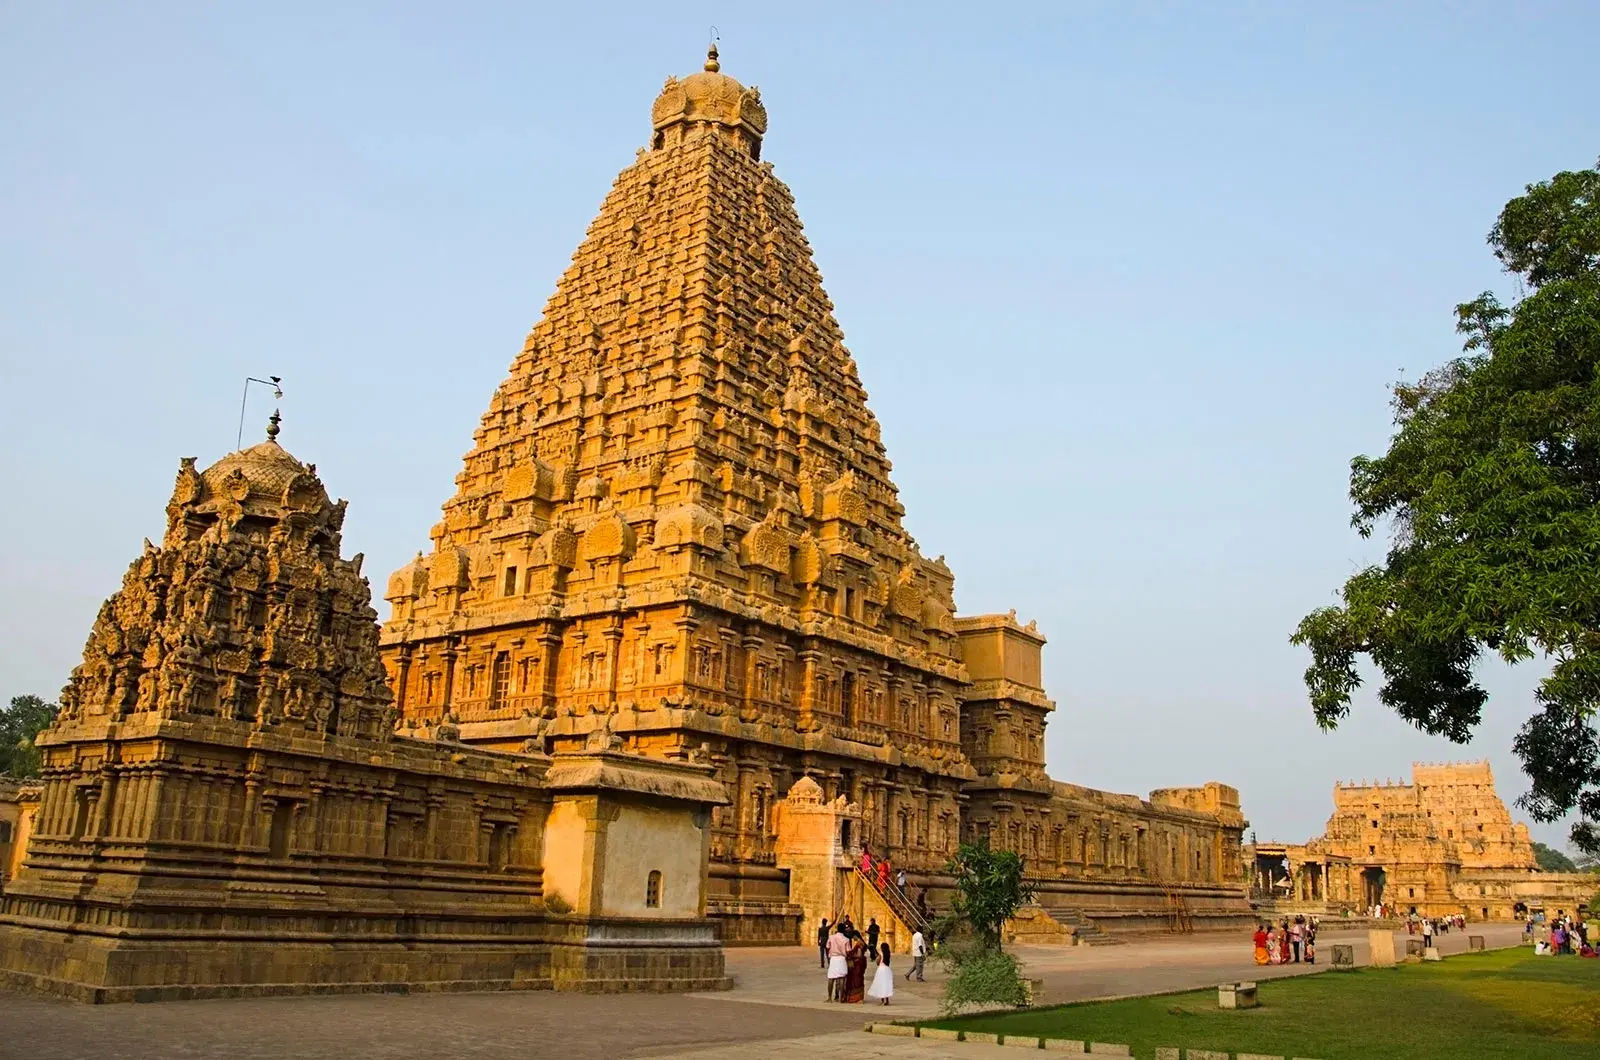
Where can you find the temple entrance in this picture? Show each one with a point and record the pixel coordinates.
(1272, 878)
(1372, 886)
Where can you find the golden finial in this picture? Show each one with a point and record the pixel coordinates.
(712, 66)
(272, 426)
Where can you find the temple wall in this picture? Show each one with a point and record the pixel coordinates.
(645, 840)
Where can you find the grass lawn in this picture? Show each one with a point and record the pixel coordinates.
(1501, 1005)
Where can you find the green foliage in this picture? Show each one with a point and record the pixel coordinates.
(1491, 487)
(1551, 859)
(1502, 1005)
(556, 904)
(19, 724)
(989, 890)
(981, 975)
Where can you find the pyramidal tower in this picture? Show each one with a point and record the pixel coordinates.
(676, 524)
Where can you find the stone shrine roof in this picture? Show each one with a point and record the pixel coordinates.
(709, 96)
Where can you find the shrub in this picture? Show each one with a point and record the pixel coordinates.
(556, 904)
(982, 975)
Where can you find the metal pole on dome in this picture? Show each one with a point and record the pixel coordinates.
(277, 392)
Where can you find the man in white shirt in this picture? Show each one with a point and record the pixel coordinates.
(919, 956)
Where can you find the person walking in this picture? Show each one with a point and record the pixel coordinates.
(822, 943)
(882, 986)
(838, 949)
(873, 931)
(900, 880)
(919, 956)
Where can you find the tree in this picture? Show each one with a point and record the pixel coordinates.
(1551, 859)
(989, 890)
(1491, 488)
(19, 724)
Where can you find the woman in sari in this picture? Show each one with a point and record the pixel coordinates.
(1260, 940)
(855, 976)
(1272, 946)
(883, 874)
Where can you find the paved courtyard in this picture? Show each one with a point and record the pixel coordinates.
(776, 1012)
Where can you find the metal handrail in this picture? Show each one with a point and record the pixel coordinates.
(897, 901)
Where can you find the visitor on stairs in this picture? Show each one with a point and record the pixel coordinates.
(883, 979)
(900, 880)
(919, 955)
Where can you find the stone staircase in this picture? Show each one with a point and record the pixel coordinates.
(1088, 933)
(1034, 924)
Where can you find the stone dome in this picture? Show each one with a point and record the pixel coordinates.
(265, 471)
(266, 466)
(806, 790)
(710, 97)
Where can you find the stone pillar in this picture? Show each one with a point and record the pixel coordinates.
(403, 678)
(449, 677)
(751, 644)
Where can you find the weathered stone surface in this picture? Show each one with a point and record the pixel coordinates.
(939, 1034)
(1109, 1049)
(1167, 1053)
(225, 809)
(677, 520)
(1257, 1056)
(1205, 1054)
(897, 1030)
(984, 1037)
(1020, 1041)
(1066, 1045)
(1441, 845)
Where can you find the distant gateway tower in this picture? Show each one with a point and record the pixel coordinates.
(677, 522)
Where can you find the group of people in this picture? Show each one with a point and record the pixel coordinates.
(881, 872)
(1287, 942)
(1429, 926)
(1569, 936)
(845, 951)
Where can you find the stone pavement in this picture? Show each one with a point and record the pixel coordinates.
(775, 1012)
(854, 1046)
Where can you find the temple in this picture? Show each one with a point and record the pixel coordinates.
(676, 522)
(670, 662)
(1442, 844)
(225, 809)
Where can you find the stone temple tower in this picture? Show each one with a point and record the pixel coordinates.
(677, 518)
(676, 523)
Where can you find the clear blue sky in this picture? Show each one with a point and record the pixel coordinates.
(1127, 284)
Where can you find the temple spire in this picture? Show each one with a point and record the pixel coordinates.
(712, 65)
(272, 425)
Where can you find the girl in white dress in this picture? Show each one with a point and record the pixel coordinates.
(883, 979)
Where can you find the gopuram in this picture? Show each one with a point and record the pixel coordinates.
(1443, 844)
(225, 809)
(676, 524)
